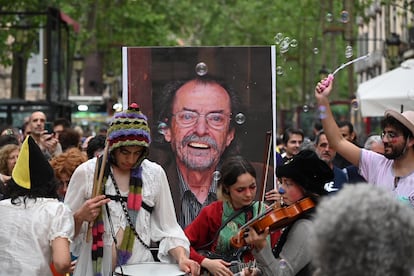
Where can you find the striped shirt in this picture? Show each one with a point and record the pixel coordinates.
(190, 206)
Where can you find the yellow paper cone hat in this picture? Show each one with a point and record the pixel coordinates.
(32, 168)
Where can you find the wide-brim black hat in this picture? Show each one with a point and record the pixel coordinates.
(308, 171)
(32, 168)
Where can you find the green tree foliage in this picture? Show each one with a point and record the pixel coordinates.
(107, 25)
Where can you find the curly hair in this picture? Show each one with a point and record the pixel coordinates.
(363, 230)
(5, 152)
(65, 163)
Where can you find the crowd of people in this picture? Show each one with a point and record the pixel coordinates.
(107, 201)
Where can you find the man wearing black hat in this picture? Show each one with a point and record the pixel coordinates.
(302, 183)
(394, 170)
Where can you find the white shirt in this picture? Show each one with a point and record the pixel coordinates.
(377, 169)
(161, 225)
(26, 234)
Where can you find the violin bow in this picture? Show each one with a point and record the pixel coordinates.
(265, 169)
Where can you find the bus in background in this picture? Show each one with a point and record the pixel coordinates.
(90, 113)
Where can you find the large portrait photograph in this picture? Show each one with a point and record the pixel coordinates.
(203, 105)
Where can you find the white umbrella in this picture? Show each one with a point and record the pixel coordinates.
(391, 90)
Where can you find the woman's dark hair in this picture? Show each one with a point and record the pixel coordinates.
(8, 139)
(69, 138)
(96, 143)
(48, 190)
(232, 168)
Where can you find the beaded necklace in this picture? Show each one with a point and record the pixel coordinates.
(125, 209)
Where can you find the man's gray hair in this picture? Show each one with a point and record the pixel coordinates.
(371, 140)
(363, 230)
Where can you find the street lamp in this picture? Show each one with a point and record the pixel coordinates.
(393, 43)
(78, 60)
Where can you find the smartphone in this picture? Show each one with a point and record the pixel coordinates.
(49, 127)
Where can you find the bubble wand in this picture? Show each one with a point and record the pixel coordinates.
(330, 77)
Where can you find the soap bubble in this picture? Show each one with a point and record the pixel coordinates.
(344, 16)
(284, 46)
(305, 108)
(162, 127)
(240, 118)
(278, 38)
(216, 175)
(355, 104)
(349, 51)
(279, 70)
(321, 112)
(201, 69)
(293, 43)
(329, 17)
(315, 51)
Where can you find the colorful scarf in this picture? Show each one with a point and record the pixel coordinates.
(133, 204)
(231, 229)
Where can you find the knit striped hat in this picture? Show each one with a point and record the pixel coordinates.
(129, 128)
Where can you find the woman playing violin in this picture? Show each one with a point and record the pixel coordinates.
(301, 178)
(213, 228)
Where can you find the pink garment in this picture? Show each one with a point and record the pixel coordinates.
(377, 169)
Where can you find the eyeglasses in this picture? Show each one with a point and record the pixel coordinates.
(215, 120)
(390, 135)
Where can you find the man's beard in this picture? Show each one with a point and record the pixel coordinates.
(201, 161)
(396, 152)
(207, 163)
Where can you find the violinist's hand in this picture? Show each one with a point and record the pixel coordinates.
(249, 271)
(255, 240)
(324, 87)
(217, 267)
(273, 195)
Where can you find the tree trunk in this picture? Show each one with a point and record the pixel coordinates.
(18, 76)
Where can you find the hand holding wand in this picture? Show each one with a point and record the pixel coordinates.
(97, 184)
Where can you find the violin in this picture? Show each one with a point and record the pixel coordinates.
(275, 218)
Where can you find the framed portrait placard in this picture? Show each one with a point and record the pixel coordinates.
(148, 72)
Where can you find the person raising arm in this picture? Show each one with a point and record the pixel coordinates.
(392, 170)
(348, 150)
